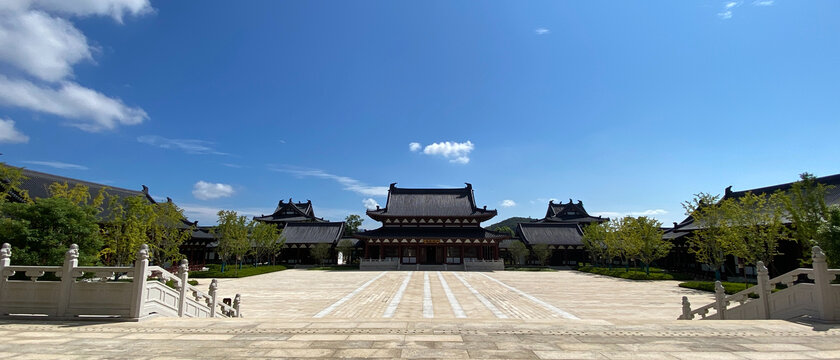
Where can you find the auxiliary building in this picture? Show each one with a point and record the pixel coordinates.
(431, 229)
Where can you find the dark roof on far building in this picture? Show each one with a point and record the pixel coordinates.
(37, 184)
(433, 233)
(573, 213)
(431, 203)
(287, 212)
(313, 232)
(550, 233)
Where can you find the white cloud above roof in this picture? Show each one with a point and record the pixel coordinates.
(203, 190)
(456, 152)
(11, 135)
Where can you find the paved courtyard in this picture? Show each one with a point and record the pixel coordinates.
(454, 294)
(446, 315)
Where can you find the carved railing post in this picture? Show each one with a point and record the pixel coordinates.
(5, 260)
(237, 302)
(141, 265)
(720, 300)
(686, 309)
(183, 274)
(71, 261)
(822, 285)
(763, 290)
(214, 286)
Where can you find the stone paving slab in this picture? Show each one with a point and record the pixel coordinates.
(420, 338)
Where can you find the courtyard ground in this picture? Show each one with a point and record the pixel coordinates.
(509, 315)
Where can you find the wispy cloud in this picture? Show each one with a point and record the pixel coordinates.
(57, 165)
(508, 203)
(203, 190)
(235, 166)
(11, 135)
(456, 152)
(348, 183)
(542, 31)
(763, 2)
(370, 204)
(726, 13)
(543, 200)
(207, 215)
(616, 214)
(190, 146)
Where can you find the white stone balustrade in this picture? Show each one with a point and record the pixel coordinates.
(820, 300)
(76, 296)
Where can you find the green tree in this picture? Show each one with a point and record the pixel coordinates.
(352, 224)
(345, 247)
(644, 238)
(711, 242)
(757, 227)
(232, 234)
(519, 251)
(11, 179)
(829, 236)
(125, 227)
(542, 252)
(167, 232)
(42, 232)
(78, 194)
(595, 238)
(320, 252)
(505, 230)
(263, 238)
(805, 205)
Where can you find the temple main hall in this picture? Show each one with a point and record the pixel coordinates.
(431, 228)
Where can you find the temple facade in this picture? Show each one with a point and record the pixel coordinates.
(431, 228)
(561, 230)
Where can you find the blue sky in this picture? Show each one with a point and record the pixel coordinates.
(629, 106)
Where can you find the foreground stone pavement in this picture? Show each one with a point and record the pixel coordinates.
(414, 339)
(442, 315)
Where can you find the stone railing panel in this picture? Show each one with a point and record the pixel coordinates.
(89, 290)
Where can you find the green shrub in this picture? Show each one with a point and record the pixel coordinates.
(335, 267)
(728, 287)
(231, 271)
(528, 268)
(632, 274)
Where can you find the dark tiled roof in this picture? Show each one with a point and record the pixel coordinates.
(571, 213)
(832, 197)
(38, 183)
(313, 233)
(550, 233)
(291, 212)
(432, 233)
(458, 202)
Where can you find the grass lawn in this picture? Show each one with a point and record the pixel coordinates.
(335, 267)
(633, 273)
(232, 272)
(529, 268)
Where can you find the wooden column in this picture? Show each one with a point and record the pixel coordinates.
(480, 251)
(462, 253)
(366, 250)
(381, 250)
(399, 249)
(496, 252)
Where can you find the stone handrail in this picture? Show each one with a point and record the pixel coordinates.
(69, 298)
(823, 303)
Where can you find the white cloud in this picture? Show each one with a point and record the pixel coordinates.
(235, 166)
(616, 214)
(41, 45)
(57, 165)
(9, 134)
(454, 151)
(349, 184)
(37, 41)
(190, 146)
(508, 203)
(726, 13)
(542, 31)
(414, 146)
(203, 190)
(116, 9)
(91, 110)
(370, 204)
(763, 3)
